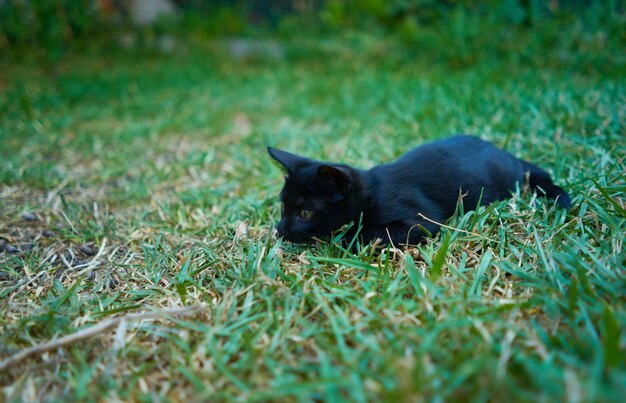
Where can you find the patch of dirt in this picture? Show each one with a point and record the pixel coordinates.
(38, 244)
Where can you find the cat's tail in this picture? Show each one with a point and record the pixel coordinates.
(540, 181)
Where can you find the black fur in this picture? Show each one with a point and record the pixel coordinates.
(428, 180)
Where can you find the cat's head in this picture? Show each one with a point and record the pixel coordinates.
(317, 198)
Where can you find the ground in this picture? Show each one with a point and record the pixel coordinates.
(139, 182)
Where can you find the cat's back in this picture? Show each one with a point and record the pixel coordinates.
(459, 146)
(453, 161)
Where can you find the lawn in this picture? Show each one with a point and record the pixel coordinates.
(134, 183)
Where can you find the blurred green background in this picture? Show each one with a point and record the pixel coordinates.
(569, 31)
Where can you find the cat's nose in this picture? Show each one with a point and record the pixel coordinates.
(281, 228)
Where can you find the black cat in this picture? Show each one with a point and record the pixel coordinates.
(387, 200)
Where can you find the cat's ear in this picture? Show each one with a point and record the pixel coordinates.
(337, 175)
(289, 161)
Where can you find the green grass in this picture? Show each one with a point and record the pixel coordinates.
(158, 165)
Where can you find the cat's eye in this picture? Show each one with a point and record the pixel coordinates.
(305, 215)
